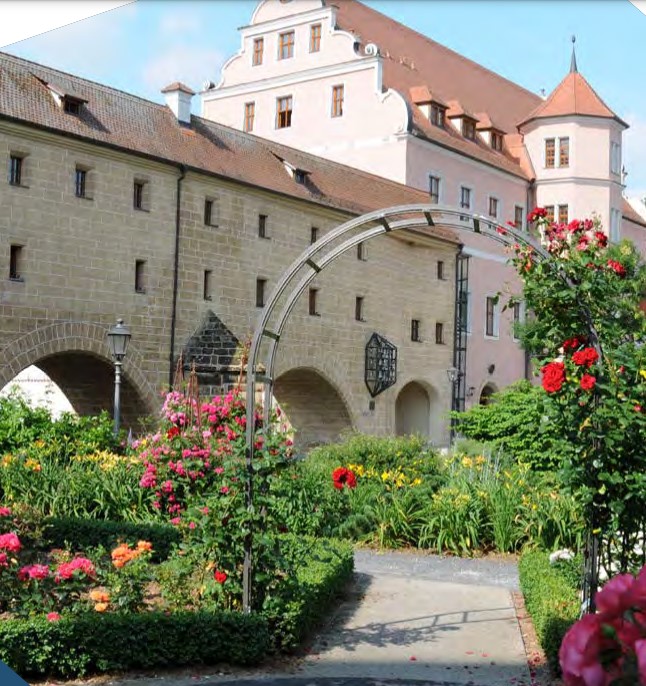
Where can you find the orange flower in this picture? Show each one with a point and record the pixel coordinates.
(99, 596)
(101, 607)
(144, 546)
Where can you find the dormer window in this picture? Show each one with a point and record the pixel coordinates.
(469, 128)
(437, 115)
(300, 175)
(72, 106)
(496, 141)
(66, 99)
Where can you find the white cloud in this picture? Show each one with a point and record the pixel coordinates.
(191, 65)
(635, 155)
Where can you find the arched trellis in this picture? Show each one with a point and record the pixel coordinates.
(313, 260)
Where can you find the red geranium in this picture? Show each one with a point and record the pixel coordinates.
(342, 476)
(172, 432)
(586, 357)
(553, 376)
(587, 382)
(220, 577)
(537, 213)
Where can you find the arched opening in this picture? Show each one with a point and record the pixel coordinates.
(413, 411)
(86, 381)
(313, 407)
(486, 394)
(39, 390)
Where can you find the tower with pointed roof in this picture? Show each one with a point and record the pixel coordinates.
(574, 142)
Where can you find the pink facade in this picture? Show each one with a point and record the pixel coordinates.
(382, 126)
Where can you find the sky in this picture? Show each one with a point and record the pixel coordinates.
(142, 46)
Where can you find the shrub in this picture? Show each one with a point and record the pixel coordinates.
(79, 534)
(89, 643)
(551, 597)
(515, 422)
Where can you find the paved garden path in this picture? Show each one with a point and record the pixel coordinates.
(408, 618)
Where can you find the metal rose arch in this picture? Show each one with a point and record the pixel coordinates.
(297, 277)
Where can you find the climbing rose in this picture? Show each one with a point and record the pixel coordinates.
(10, 542)
(617, 268)
(587, 382)
(553, 376)
(220, 577)
(586, 357)
(342, 476)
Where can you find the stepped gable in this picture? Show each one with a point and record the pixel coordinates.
(119, 120)
(411, 61)
(573, 96)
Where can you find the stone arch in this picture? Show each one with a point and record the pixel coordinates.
(76, 357)
(418, 411)
(313, 405)
(485, 394)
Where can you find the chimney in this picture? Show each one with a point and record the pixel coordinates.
(178, 100)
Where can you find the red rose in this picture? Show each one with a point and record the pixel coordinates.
(220, 577)
(172, 432)
(587, 382)
(602, 239)
(553, 376)
(586, 357)
(53, 617)
(572, 343)
(342, 476)
(574, 226)
(617, 268)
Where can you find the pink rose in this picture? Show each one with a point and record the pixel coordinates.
(615, 597)
(640, 652)
(10, 542)
(5, 512)
(579, 654)
(53, 617)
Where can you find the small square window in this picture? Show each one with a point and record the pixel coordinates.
(563, 214)
(362, 252)
(207, 284)
(434, 189)
(260, 292)
(284, 112)
(72, 106)
(15, 263)
(15, 170)
(415, 330)
(286, 45)
(209, 212)
(550, 153)
(337, 101)
(549, 209)
(437, 115)
(315, 38)
(258, 49)
(140, 276)
(314, 234)
(440, 270)
(439, 333)
(262, 226)
(358, 308)
(80, 183)
(249, 116)
(313, 304)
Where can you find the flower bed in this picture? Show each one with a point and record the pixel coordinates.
(551, 597)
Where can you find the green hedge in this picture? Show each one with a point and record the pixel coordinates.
(90, 643)
(552, 599)
(317, 588)
(81, 534)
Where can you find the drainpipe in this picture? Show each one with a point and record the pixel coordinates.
(173, 316)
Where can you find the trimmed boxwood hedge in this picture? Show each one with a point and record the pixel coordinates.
(88, 643)
(320, 582)
(81, 534)
(552, 599)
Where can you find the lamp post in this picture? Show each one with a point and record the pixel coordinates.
(454, 375)
(118, 339)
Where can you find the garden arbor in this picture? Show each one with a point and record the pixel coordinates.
(297, 277)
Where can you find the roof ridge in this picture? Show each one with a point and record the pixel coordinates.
(24, 61)
(444, 47)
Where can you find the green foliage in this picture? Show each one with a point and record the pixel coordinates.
(516, 423)
(83, 487)
(89, 643)
(79, 534)
(551, 597)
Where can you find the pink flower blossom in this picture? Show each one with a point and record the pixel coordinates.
(10, 542)
(615, 597)
(53, 617)
(66, 570)
(219, 470)
(224, 490)
(4, 560)
(5, 512)
(36, 572)
(175, 521)
(579, 654)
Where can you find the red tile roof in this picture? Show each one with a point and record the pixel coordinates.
(132, 124)
(631, 214)
(573, 96)
(411, 60)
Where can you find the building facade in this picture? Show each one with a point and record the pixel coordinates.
(114, 206)
(345, 82)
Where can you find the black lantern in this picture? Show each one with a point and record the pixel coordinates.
(118, 338)
(381, 364)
